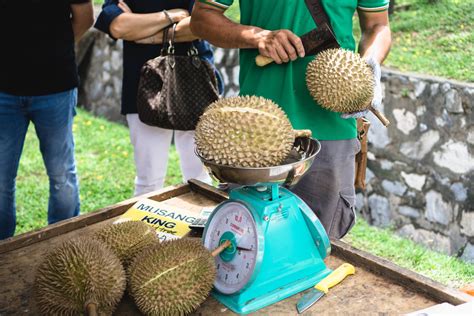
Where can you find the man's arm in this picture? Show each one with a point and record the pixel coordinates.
(82, 18)
(210, 23)
(182, 34)
(376, 36)
(134, 26)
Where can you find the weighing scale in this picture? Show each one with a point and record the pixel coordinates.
(277, 243)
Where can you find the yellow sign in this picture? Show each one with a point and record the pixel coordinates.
(168, 221)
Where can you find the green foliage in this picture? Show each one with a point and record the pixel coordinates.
(407, 254)
(106, 170)
(433, 38)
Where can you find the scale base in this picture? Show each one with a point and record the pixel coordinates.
(233, 302)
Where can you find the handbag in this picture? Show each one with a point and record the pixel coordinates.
(361, 157)
(174, 89)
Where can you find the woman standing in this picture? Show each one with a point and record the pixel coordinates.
(140, 23)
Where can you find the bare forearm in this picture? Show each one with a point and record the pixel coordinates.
(82, 18)
(376, 43)
(183, 34)
(216, 28)
(133, 26)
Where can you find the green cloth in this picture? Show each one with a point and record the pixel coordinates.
(285, 84)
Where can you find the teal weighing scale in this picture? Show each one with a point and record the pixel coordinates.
(277, 243)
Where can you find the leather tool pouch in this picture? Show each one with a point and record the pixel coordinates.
(361, 158)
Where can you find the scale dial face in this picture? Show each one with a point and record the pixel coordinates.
(236, 264)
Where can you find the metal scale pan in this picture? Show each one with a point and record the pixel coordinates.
(289, 173)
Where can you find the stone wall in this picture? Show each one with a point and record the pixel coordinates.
(420, 170)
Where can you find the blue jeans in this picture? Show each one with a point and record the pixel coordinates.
(52, 116)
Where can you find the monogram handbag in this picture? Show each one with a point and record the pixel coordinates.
(174, 89)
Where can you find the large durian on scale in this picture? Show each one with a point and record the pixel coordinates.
(340, 81)
(246, 131)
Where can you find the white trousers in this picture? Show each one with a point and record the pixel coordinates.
(151, 146)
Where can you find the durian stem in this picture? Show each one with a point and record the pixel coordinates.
(302, 133)
(261, 60)
(380, 116)
(91, 309)
(221, 248)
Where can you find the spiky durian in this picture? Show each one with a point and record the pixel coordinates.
(127, 239)
(340, 81)
(81, 274)
(172, 278)
(246, 131)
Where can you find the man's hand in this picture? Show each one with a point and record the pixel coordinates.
(377, 99)
(281, 45)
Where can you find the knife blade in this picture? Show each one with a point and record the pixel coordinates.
(323, 286)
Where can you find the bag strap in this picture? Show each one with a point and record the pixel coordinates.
(316, 9)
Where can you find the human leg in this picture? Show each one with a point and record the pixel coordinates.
(150, 149)
(191, 165)
(328, 187)
(53, 116)
(14, 124)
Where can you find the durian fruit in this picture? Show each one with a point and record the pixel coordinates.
(171, 278)
(340, 81)
(246, 131)
(80, 275)
(127, 239)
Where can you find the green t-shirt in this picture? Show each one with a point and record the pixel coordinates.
(285, 83)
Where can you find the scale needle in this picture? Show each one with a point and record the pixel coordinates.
(244, 248)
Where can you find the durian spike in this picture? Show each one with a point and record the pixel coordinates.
(302, 133)
(91, 309)
(262, 61)
(380, 116)
(221, 248)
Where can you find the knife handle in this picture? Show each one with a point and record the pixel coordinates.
(261, 60)
(335, 277)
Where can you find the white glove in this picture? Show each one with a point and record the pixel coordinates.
(377, 100)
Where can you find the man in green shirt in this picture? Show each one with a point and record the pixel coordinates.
(271, 28)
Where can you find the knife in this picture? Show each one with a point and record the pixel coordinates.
(323, 286)
(314, 41)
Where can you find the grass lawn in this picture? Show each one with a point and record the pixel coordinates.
(105, 166)
(435, 39)
(106, 171)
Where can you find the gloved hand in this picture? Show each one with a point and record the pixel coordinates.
(377, 100)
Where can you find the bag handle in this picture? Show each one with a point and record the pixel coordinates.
(168, 40)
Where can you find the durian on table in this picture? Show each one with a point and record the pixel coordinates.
(341, 81)
(171, 278)
(245, 131)
(81, 276)
(127, 239)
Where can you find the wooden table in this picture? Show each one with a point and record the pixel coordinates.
(379, 287)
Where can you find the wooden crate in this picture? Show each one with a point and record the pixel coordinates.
(378, 287)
